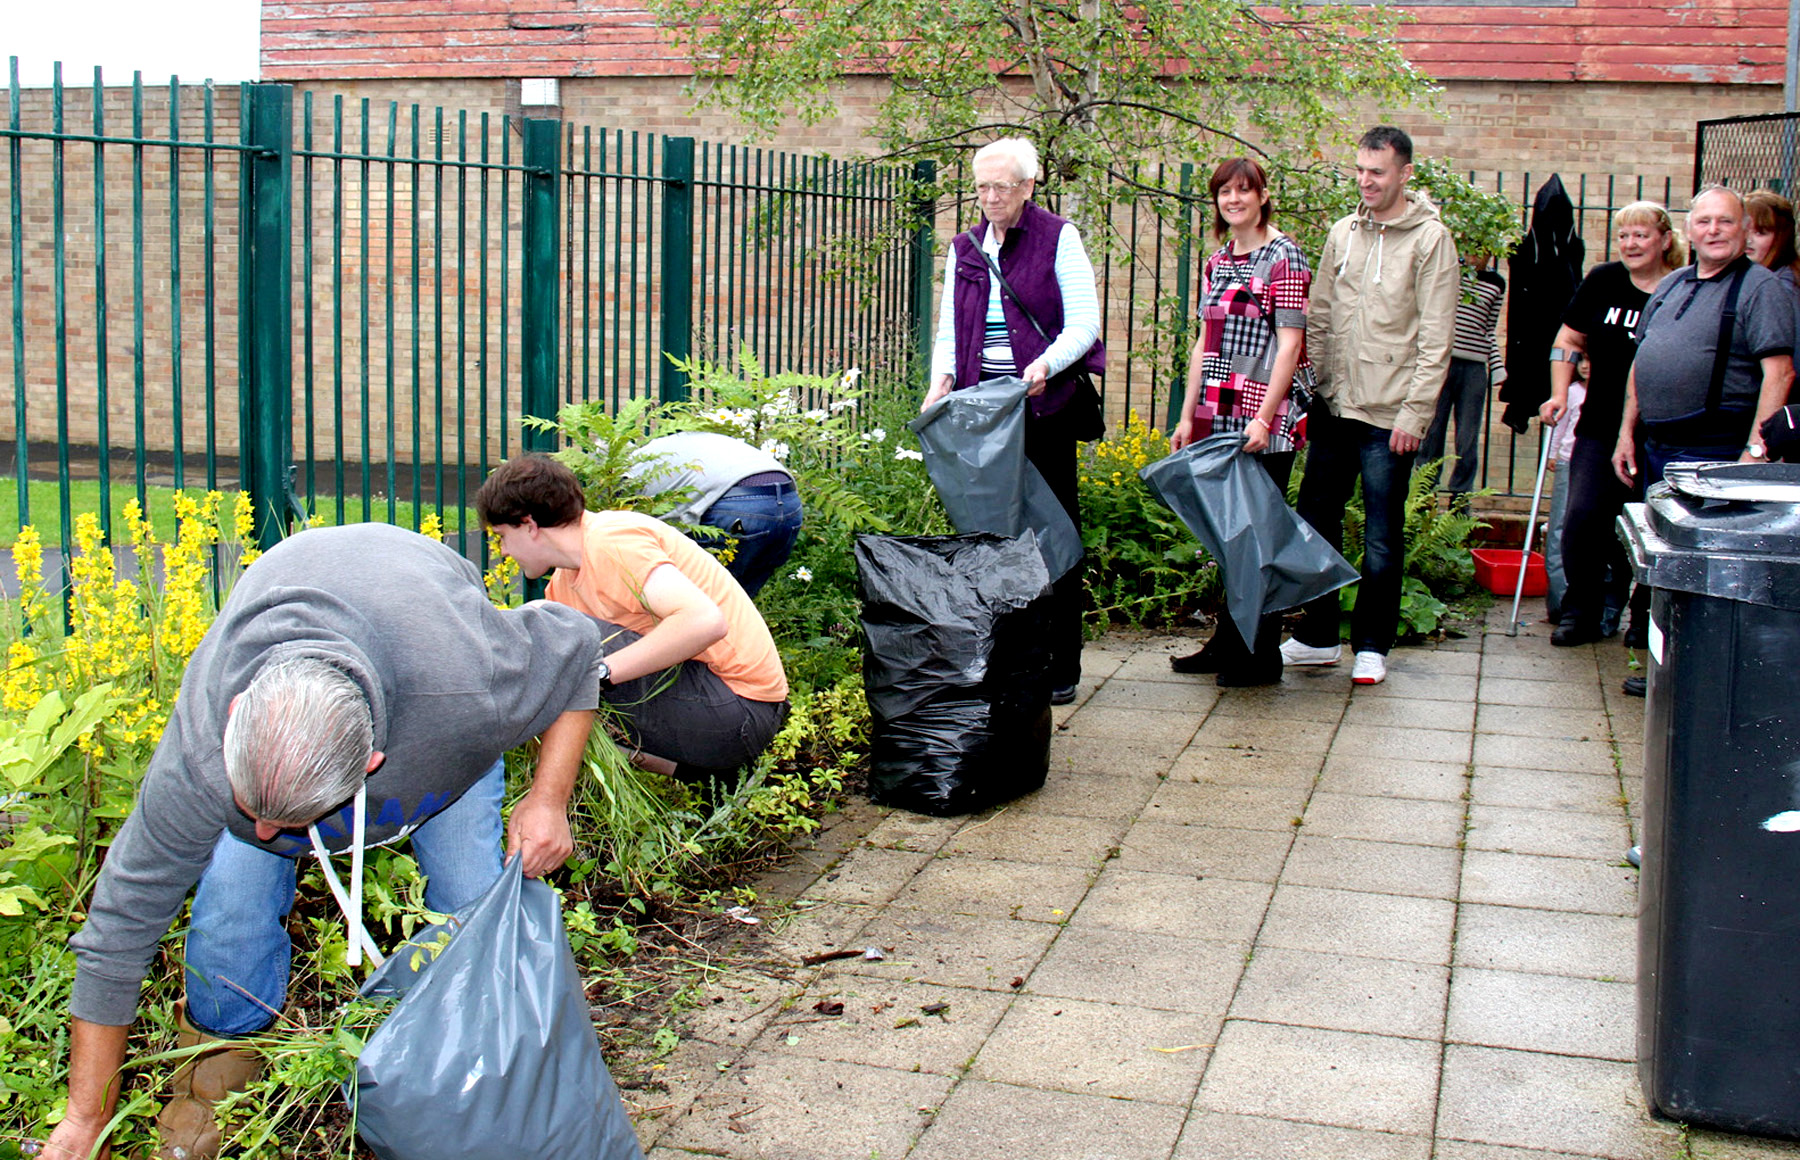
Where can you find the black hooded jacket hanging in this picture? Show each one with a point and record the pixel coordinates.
(1545, 269)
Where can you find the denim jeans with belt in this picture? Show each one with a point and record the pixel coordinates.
(764, 520)
(1339, 452)
(237, 943)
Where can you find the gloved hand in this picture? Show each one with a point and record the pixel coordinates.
(1781, 433)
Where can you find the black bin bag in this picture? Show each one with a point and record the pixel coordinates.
(1272, 559)
(956, 668)
(490, 1050)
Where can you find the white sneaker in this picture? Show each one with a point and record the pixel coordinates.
(1370, 668)
(1295, 653)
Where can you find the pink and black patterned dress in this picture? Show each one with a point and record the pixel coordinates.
(1242, 300)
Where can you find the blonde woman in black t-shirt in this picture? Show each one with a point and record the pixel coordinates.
(1601, 323)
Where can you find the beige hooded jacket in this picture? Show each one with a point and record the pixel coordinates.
(1382, 316)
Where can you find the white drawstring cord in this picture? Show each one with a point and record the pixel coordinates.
(360, 941)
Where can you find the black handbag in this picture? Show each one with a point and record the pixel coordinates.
(1082, 413)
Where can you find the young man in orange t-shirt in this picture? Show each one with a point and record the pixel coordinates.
(690, 666)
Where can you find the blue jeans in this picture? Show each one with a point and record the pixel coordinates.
(1339, 452)
(764, 520)
(237, 942)
(1465, 394)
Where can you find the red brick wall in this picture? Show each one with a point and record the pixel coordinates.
(1697, 41)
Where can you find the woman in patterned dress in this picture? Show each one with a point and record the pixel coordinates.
(1248, 373)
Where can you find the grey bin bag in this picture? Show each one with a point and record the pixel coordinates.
(974, 445)
(491, 1050)
(1272, 559)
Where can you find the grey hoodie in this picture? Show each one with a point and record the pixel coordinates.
(1382, 316)
(453, 682)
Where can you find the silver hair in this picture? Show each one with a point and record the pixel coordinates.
(1019, 150)
(298, 741)
(1717, 188)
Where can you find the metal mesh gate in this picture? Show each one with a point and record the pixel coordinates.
(1747, 152)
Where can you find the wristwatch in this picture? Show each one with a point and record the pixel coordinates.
(1757, 451)
(606, 681)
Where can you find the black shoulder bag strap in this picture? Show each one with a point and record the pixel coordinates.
(1715, 391)
(1007, 288)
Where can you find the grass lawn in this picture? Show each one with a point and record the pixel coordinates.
(84, 496)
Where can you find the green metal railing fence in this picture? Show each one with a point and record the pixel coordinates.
(409, 283)
(345, 307)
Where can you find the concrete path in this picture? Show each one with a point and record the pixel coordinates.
(1392, 923)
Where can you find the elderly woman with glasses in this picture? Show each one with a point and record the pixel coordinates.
(1042, 326)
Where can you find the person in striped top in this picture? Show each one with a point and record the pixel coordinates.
(1475, 367)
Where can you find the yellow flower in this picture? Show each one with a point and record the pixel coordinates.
(432, 526)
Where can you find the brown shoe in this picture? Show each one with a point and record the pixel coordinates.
(186, 1125)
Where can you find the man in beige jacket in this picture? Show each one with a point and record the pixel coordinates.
(1379, 328)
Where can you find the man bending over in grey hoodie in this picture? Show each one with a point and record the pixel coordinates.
(358, 684)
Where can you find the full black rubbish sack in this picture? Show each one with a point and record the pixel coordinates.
(1272, 559)
(491, 1050)
(956, 667)
(974, 446)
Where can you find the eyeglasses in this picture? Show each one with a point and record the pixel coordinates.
(985, 187)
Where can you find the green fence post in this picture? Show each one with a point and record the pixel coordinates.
(924, 240)
(539, 277)
(677, 266)
(265, 306)
(1184, 288)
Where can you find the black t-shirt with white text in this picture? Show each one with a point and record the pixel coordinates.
(1605, 311)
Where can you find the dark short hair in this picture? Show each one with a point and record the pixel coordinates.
(530, 485)
(1387, 137)
(1238, 170)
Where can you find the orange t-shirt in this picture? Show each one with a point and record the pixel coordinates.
(619, 550)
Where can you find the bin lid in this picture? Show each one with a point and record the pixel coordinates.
(1730, 530)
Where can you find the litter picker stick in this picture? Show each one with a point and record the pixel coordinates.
(1537, 495)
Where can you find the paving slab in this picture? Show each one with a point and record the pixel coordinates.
(1537, 1012)
(1309, 737)
(794, 1108)
(1443, 781)
(1544, 753)
(1551, 942)
(1562, 833)
(1410, 713)
(1190, 696)
(1104, 965)
(1544, 883)
(1545, 790)
(1221, 1136)
(1112, 756)
(1375, 1082)
(1019, 836)
(1292, 700)
(1009, 1122)
(1244, 807)
(1554, 1103)
(1539, 694)
(961, 950)
(922, 1027)
(1384, 819)
(1374, 867)
(1103, 1049)
(1252, 855)
(996, 888)
(1223, 765)
(1381, 926)
(1449, 745)
(1540, 721)
(1224, 910)
(1343, 993)
(1082, 795)
(1155, 726)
